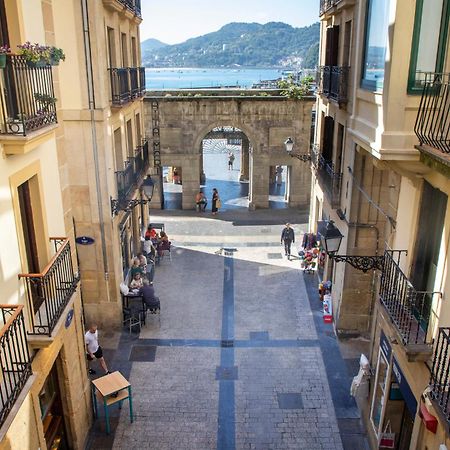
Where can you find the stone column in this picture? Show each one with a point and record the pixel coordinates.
(191, 184)
(259, 186)
(299, 183)
(245, 147)
(135, 223)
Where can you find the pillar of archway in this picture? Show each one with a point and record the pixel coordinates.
(191, 169)
(299, 186)
(259, 181)
(245, 147)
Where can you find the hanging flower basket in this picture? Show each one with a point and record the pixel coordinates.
(40, 63)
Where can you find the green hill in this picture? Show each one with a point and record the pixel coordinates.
(150, 45)
(274, 44)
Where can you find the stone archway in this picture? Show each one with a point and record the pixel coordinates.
(267, 121)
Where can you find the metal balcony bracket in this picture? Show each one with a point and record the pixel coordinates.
(363, 263)
(305, 157)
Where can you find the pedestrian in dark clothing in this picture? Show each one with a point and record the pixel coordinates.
(148, 295)
(216, 203)
(287, 238)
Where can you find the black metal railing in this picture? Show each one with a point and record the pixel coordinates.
(432, 125)
(28, 102)
(14, 358)
(127, 83)
(440, 373)
(141, 80)
(133, 5)
(408, 309)
(333, 81)
(328, 177)
(325, 5)
(120, 86)
(134, 82)
(129, 179)
(49, 292)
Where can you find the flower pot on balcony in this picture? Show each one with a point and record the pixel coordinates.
(2, 60)
(54, 61)
(40, 63)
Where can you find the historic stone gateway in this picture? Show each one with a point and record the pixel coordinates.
(178, 121)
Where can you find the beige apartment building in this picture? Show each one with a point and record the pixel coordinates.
(380, 168)
(72, 163)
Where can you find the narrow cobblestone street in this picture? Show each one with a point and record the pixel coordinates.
(241, 358)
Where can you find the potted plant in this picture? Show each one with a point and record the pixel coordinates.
(35, 55)
(4, 50)
(44, 101)
(56, 55)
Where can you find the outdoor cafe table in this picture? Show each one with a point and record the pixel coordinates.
(112, 388)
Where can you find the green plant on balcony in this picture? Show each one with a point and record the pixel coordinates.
(35, 55)
(56, 55)
(4, 50)
(44, 101)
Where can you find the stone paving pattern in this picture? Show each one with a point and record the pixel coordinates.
(199, 394)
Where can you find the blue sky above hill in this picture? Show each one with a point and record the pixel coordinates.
(175, 21)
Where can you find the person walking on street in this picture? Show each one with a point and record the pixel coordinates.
(93, 349)
(287, 238)
(230, 160)
(216, 203)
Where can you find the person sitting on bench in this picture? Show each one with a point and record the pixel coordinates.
(147, 292)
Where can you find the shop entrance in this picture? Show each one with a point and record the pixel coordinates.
(52, 413)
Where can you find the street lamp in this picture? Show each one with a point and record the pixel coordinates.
(146, 188)
(289, 145)
(331, 239)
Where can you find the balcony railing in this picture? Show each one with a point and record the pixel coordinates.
(49, 292)
(28, 102)
(432, 125)
(440, 373)
(14, 358)
(129, 179)
(408, 309)
(333, 82)
(127, 83)
(325, 5)
(133, 5)
(329, 179)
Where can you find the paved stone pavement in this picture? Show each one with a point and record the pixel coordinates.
(241, 358)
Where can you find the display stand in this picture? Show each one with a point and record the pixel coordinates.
(111, 389)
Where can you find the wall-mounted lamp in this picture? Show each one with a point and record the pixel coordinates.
(331, 239)
(289, 145)
(146, 188)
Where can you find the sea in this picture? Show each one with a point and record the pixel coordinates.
(189, 78)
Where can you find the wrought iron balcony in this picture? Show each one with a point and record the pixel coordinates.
(49, 292)
(14, 357)
(432, 125)
(130, 179)
(141, 81)
(28, 102)
(127, 83)
(325, 5)
(327, 177)
(440, 373)
(133, 5)
(333, 83)
(409, 310)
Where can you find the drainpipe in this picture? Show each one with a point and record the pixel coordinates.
(91, 102)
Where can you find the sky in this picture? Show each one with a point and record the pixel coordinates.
(177, 20)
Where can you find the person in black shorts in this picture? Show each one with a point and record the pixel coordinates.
(93, 350)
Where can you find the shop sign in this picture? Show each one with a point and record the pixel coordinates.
(69, 318)
(385, 346)
(408, 395)
(84, 240)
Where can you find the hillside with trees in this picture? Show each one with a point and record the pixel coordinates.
(274, 44)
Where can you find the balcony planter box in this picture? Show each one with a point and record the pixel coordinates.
(2, 60)
(40, 63)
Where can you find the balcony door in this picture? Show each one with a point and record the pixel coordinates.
(327, 139)
(332, 46)
(428, 242)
